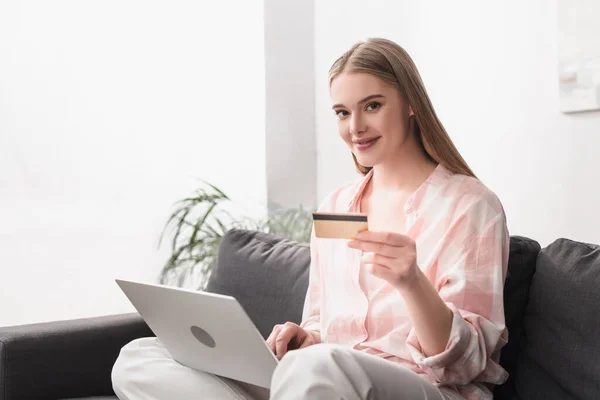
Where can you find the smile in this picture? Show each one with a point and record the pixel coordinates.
(364, 144)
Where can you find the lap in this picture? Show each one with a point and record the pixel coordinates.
(145, 369)
(391, 377)
(386, 379)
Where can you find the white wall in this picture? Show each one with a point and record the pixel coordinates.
(110, 111)
(290, 103)
(491, 71)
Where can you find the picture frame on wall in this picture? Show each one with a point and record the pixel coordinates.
(579, 55)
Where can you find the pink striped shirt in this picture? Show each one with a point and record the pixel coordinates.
(462, 243)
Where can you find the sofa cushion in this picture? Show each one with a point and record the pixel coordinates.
(560, 355)
(521, 267)
(267, 274)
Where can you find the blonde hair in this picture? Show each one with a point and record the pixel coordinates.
(390, 62)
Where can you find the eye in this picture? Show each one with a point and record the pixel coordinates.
(341, 113)
(373, 106)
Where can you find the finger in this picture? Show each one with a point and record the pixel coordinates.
(304, 342)
(391, 238)
(371, 258)
(297, 340)
(282, 341)
(381, 271)
(375, 247)
(273, 336)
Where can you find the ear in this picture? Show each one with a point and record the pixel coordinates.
(410, 111)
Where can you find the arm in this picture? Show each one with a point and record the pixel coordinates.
(470, 282)
(431, 319)
(393, 257)
(458, 320)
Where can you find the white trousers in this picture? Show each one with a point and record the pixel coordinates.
(145, 370)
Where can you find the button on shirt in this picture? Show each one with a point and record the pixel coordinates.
(459, 228)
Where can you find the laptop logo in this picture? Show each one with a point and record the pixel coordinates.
(203, 337)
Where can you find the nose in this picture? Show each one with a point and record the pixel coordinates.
(357, 124)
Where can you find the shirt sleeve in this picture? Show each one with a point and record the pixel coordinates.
(311, 315)
(470, 280)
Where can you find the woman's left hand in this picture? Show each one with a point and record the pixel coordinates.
(390, 256)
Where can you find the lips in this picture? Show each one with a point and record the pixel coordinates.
(365, 141)
(365, 144)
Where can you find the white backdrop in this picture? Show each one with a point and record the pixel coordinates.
(110, 111)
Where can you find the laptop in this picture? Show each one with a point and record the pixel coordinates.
(204, 331)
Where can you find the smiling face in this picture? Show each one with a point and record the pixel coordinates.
(373, 118)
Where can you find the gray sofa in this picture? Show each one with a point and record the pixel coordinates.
(552, 301)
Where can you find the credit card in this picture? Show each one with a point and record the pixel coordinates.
(339, 225)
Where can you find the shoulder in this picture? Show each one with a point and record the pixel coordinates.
(469, 198)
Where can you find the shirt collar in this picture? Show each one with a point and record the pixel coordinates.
(439, 175)
(358, 191)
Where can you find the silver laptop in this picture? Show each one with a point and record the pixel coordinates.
(204, 331)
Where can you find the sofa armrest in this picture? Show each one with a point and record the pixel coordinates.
(64, 359)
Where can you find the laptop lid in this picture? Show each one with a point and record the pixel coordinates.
(205, 331)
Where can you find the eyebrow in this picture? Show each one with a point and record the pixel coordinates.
(371, 97)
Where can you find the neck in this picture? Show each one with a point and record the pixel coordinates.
(405, 172)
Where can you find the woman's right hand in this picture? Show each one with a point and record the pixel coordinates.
(290, 336)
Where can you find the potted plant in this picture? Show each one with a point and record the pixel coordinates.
(199, 223)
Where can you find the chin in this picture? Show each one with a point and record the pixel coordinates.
(368, 158)
(366, 162)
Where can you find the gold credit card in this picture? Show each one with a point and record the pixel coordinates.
(339, 225)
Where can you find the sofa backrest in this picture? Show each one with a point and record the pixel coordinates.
(560, 349)
(267, 274)
(521, 267)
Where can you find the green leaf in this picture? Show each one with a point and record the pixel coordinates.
(200, 223)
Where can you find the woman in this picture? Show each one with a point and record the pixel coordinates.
(412, 308)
